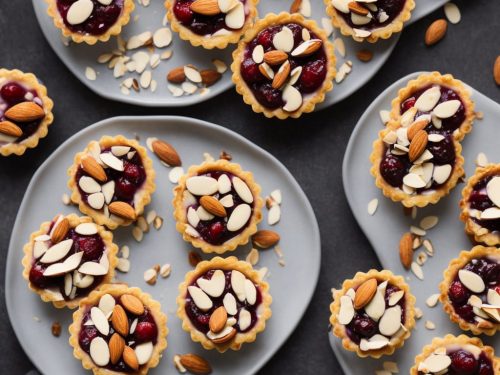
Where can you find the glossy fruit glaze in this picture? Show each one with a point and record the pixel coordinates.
(464, 363)
(479, 200)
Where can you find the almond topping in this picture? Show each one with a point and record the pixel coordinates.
(123, 210)
(213, 206)
(218, 320)
(406, 250)
(116, 346)
(365, 293)
(265, 238)
(132, 304)
(94, 169)
(119, 320)
(416, 127)
(167, 153)
(357, 8)
(60, 231)
(418, 145)
(282, 75)
(217, 339)
(275, 57)
(9, 128)
(295, 7)
(25, 112)
(130, 358)
(195, 364)
(206, 7)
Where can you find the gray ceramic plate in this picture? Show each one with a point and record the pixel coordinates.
(385, 228)
(78, 57)
(191, 138)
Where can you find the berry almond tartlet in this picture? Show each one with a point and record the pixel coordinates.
(25, 112)
(470, 290)
(67, 258)
(90, 21)
(369, 20)
(480, 205)
(118, 330)
(217, 206)
(284, 66)
(223, 303)
(112, 180)
(211, 23)
(373, 313)
(456, 355)
(442, 101)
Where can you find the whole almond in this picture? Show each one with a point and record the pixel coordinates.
(116, 345)
(195, 364)
(119, 320)
(206, 7)
(213, 206)
(132, 304)
(406, 250)
(265, 238)
(357, 8)
(436, 31)
(275, 57)
(11, 129)
(25, 112)
(416, 127)
(167, 153)
(218, 319)
(263, 70)
(60, 231)
(123, 210)
(282, 75)
(295, 7)
(94, 169)
(364, 55)
(418, 145)
(210, 76)
(496, 70)
(130, 358)
(365, 293)
(223, 339)
(176, 75)
(194, 258)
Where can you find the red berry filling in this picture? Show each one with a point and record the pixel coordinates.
(12, 93)
(198, 23)
(314, 67)
(458, 293)
(465, 363)
(200, 319)
(103, 17)
(387, 11)
(479, 200)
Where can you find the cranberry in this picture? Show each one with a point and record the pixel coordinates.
(13, 93)
(485, 366)
(216, 230)
(133, 173)
(313, 75)
(364, 326)
(268, 96)
(202, 28)
(463, 362)
(183, 12)
(87, 334)
(37, 278)
(479, 201)
(497, 289)
(492, 272)
(250, 71)
(444, 151)
(92, 247)
(407, 104)
(145, 331)
(124, 189)
(393, 169)
(458, 293)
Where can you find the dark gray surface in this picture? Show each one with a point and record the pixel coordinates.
(312, 148)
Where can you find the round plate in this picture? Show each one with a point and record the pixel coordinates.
(32, 319)
(385, 228)
(79, 56)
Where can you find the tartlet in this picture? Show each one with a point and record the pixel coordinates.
(480, 205)
(217, 206)
(284, 66)
(373, 314)
(67, 258)
(456, 355)
(112, 180)
(25, 111)
(442, 99)
(470, 290)
(369, 20)
(211, 23)
(223, 303)
(118, 330)
(90, 21)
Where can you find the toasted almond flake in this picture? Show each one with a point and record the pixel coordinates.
(432, 300)
(178, 365)
(175, 90)
(481, 160)
(104, 58)
(385, 116)
(137, 233)
(175, 174)
(150, 276)
(417, 270)
(429, 222)
(326, 23)
(158, 222)
(253, 257)
(192, 74)
(140, 40)
(124, 90)
(418, 313)
(372, 206)
(220, 66)
(162, 37)
(165, 55)
(123, 265)
(165, 270)
(421, 258)
(274, 215)
(452, 12)
(339, 45)
(65, 199)
(189, 88)
(429, 248)
(90, 73)
(390, 366)
(430, 325)
(145, 79)
(471, 280)
(417, 231)
(479, 115)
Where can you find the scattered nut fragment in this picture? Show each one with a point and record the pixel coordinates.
(417, 270)
(364, 55)
(452, 12)
(157, 268)
(430, 325)
(421, 258)
(138, 234)
(165, 270)
(210, 76)
(143, 224)
(194, 258)
(265, 238)
(225, 155)
(372, 206)
(390, 366)
(432, 300)
(150, 276)
(166, 152)
(56, 329)
(220, 65)
(158, 222)
(123, 265)
(65, 199)
(295, 7)
(481, 160)
(253, 257)
(194, 364)
(479, 114)
(406, 249)
(429, 248)
(176, 75)
(418, 313)
(178, 365)
(436, 31)
(429, 222)
(496, 70)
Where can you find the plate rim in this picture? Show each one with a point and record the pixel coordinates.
(10, 269)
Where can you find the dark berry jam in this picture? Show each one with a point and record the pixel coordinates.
(314, 67)
(127, 182)
(103, 17)
(364, 327)
(198, 23)
(489, 270)
(480, 201)
(146, 331)
(12, 93)
(215, 231)
(93, 248)
(200, 319)
(387, 11)
(448, 125)
(464, 362)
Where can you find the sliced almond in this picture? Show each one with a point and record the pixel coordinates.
(357, 8)
(307, 48)
(227, 334)
(346, 313)
(200, 299)
(239, 217)
(472, 281)
(282, 75)
(99, 351)
(447, 109)
(57, 252)
(390, 322)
